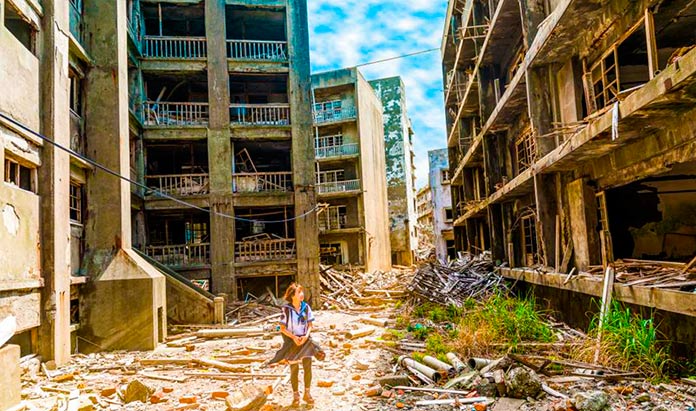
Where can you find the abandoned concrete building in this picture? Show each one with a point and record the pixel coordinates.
(351, 171)
(441, 197)
(221, 118)
(424, 215)
(208, 103)
(401, 176)
(572, 135)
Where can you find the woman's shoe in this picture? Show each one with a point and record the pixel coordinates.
(308, 398)
(295, 400)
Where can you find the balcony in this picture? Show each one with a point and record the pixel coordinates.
(265, 250)
(336, 151)
(180, 185)
(262, 182)
(332, 114)
(260, 114)
(339, 186)
(174, 47)
(257, 50)
(332, 220)
(181, 256)
(175, 114)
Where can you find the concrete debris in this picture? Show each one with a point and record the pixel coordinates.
(591, 401)
(393, 380)
(249, 398)
(136, 390)
(522, 383)
(348, 289)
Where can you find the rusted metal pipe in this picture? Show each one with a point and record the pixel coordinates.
(458, 365)
(478, 363)
(433, 362)
(434, 375)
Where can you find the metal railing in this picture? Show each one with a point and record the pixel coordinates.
(339, 186)
(334, 114)
(183, 255)
(260, 114)
(265, 250)
(175, 114)
(259, 50)
(280, 181)
(170, 47)
(336, 151)
(180, 184)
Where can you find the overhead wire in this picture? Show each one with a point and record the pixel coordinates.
(384, 60)
(143, 186)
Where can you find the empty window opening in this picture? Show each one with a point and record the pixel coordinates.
(262, 167)
(76, 202)
(333, 218)
(448, 215)
(174, 20)
(19, 175)
(179, 169)
(525, 150)
(674, 34)
(243, 23)
(623, 67)
(530, 250)
(331, 253)
(444, 176)
(258, 287)
(451, 249)
(175, 100)
(180, 241)
(264, 234)
(258, 89)
(20, 27)
(654, 219)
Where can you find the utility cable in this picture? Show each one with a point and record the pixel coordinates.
(143, 186)
(397, 57)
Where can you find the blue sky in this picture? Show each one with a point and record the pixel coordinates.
(346, 33)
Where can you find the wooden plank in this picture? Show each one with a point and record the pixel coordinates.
(653, 61)
(606, 302)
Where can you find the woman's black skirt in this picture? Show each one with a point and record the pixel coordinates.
(291, 352)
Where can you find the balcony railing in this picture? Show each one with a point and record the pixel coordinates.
(175, 47)
(336, 151)
(257, 50)
(335, 222)
(339, 186)
(260, 114)
(335, 114)
(262, 182)
(184, 255)
(175, 114)
(265, 250)
(180, 185)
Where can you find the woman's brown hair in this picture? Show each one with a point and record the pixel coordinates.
(290, 292)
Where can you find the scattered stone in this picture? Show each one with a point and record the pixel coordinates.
(249, 398)
(660, 408)
(157, 398)
(190, 347)
(387, 393)
(167, 390)
(484, 387)
(400, 404)
(479, 406)
(522, 383)
(356, 377)
(108, 392)
(137, 391)
(325, 383)
(363, 366)
(499, 380)
(643, 397)
(84, 404)
(338, 390)
(393, 380)
(373, 391)
(221, 395)
(623, 389)
(592, 401)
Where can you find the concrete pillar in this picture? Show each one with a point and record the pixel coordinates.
(222, 229)
(299, 89)
(532, 14)
(54, 185)
(547, 209)
(583, 223)
(539, 100)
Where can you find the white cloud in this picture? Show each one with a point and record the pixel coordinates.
(350, 32)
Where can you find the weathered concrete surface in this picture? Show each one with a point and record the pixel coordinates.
(400, 169)
(10, 385)
(124, 307)
(441, 200)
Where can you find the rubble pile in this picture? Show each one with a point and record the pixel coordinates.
(452, 284)
(651, 274)
(349, 289)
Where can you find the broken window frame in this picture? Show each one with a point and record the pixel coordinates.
(335, 218)
(28, 25)
(332, 250)
(526, 152)
(76, 202)
(444, 176)
(19, 174)
(605, 240)
(529, 240)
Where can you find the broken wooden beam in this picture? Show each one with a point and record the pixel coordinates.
(361, 332)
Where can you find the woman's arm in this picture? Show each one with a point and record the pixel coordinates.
(304, 338)
(297, 340)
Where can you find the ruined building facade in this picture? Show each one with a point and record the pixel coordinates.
(571, 133)
(401, 177)
(441, 198)
(350, 167)
(206, 103)
(221, 118)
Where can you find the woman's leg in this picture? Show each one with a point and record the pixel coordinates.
(295, 376)
(307, 369)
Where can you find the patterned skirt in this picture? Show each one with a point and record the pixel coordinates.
(291, 352)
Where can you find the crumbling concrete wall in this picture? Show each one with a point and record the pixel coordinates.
(399, 164)
(374, 180)
(10, 384)
(441, 200)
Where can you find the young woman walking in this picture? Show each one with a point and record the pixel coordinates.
(295, 327)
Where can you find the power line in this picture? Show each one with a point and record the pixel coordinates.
(397, 57)
(143, 186)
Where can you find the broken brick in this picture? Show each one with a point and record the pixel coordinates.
(157, 398)
(479, 406)
(220, 395)
(167, 390)
(108, 392)
(325, 383)
(188, 399)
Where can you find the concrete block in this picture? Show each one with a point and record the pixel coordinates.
(10, 384)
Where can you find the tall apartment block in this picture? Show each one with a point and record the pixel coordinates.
(441, 198)
(401, 176)
(221, 119)
(351, 171)
(571, 135)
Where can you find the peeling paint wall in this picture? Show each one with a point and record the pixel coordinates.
(399, 164)
(441, 199)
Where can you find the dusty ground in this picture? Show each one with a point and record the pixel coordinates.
(92, 380)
